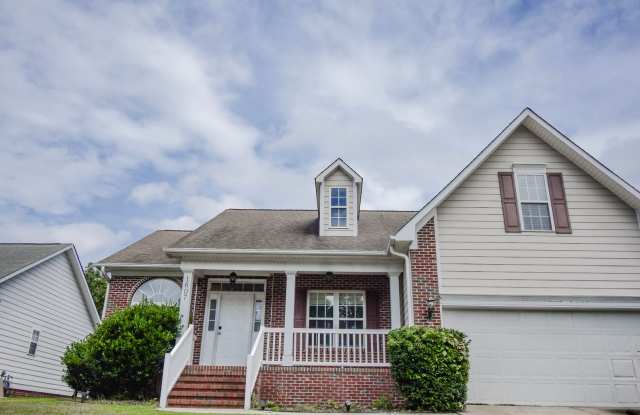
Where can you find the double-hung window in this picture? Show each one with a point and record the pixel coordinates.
(350, 313)
(533, 200)
(339, 207)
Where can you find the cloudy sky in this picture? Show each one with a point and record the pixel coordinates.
(120, 118)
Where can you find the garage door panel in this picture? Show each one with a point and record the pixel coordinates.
(552, 357)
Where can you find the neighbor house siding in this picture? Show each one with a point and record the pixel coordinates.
(338, 179)
(476, 256)
(45, 298)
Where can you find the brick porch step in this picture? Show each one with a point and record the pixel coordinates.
(209, 386)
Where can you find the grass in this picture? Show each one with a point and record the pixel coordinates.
(63, 406)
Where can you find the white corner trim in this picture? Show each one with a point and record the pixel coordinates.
(530, 119)
(472, 302)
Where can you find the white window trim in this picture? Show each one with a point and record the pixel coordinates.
(345, 207)
(336, 305)
(533, 170)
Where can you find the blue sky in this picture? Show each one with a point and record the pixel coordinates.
(118, 118)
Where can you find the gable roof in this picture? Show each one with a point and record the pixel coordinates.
(17, 258)
(264, 230)
(148, 250)
(550, 135)
(342, 165)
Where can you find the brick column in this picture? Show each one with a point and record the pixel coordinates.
(424, 272)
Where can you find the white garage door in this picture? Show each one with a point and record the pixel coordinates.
(552, 357)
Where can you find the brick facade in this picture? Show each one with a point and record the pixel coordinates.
(424, 272)
(120, 291)
(290, 386)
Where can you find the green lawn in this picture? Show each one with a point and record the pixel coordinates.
(61, 406)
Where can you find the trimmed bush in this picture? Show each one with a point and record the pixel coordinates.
(431, 367)
(124, 357)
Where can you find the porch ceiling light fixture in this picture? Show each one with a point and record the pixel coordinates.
(233, 277)
(328, 276)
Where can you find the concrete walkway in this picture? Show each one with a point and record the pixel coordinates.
(471, 410)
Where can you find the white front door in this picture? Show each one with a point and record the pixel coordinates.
(230, 320)
(234, 329)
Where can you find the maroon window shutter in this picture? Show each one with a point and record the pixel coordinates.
(300, 309)
(373, 310)
(559, 203)
(509, 202)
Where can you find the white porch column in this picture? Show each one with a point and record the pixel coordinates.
(394, 295)
(185, 299)
(289, 311)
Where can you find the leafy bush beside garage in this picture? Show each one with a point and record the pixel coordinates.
(124, 357)
(431, 367)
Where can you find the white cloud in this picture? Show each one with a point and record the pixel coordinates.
(92, 240)
(150, 192)
(138, 116)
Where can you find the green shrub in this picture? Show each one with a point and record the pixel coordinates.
(124, 357)
(431, 367)
(382, 403)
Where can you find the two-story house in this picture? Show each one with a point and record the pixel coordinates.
(533, 251)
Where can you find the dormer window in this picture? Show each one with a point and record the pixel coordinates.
(339, 207)
(338, 194)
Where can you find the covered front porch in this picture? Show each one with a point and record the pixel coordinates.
(336, 316)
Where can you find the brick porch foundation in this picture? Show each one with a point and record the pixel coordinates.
(290, 386)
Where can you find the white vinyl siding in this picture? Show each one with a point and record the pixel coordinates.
(45, 298)
(340, 180)
(476, 256)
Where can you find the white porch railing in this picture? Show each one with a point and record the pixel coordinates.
(328, 347)
(254, 362)
(175, 362)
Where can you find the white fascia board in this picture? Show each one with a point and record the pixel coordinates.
(533, 120)
(84, 287)
(478, 302)
(555, 138)
(273, 252)
(134, 265)
(338, 163)
(225, 266)
(407, 232)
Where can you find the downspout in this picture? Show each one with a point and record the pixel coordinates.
(106, 276)
(408, 281)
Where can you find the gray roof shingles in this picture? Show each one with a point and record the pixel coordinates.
(15, 256)
(148, 250)
(264, 229)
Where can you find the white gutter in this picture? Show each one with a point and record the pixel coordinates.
(309, 252)
(408, 282)
(132, 265)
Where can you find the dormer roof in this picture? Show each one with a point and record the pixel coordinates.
(342, 165)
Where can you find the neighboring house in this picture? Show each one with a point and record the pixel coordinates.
(45, 305)
(533, 250)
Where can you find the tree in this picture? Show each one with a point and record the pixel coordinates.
(97, 286)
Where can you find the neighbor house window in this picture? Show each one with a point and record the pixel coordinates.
(350, 312)
(339, 207)
(33, 345)
(158, 291)
(533, 198)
